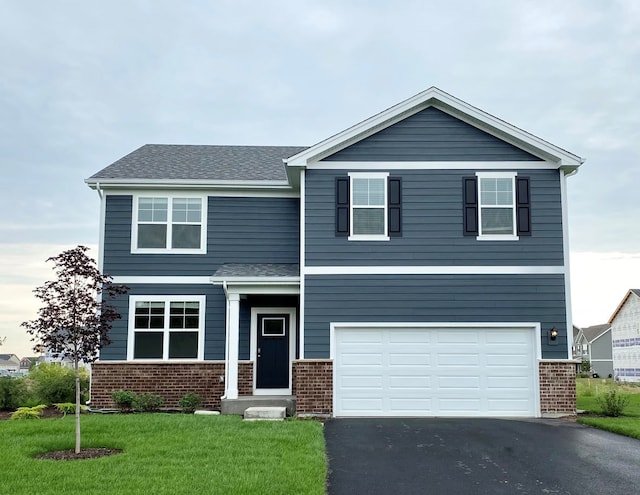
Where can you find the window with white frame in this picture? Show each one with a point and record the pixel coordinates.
(368, 205)
(168, 224)
(497, 204)
(166, 327)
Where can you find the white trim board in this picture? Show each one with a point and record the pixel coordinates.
(434, 270)
(453, 165)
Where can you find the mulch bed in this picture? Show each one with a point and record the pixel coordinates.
(70, 455)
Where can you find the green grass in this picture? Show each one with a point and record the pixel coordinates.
(587, 391)
(165, 453)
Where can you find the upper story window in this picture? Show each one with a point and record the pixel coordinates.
(496, 206)
(168, 224)
(368, 206)
(166, 327)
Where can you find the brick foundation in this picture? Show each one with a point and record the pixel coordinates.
(313, 386)
(557, 387)
(170, 380)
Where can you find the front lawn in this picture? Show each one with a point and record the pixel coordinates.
(165, 453)
(588, 390)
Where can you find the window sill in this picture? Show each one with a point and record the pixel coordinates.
(498, 237)
(168, 251)
(368, 238)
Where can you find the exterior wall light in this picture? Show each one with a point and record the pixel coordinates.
(553, 335)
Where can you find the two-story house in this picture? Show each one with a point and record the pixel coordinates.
(415, 264)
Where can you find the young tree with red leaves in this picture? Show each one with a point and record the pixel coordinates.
(76, 316)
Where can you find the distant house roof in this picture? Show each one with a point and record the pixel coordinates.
(635, 292)
(206, 163)
(594, 332)
(9, 359)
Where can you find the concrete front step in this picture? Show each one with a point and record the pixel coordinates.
(273, 413)
(239, 405)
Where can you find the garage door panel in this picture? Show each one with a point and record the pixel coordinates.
(362, 381)
(409, 359)
(458, 359)
(434, 371)
(456, 337)
(410, 406)
(459, 382)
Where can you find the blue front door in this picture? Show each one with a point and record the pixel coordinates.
(272, 358)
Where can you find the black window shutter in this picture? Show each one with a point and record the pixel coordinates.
(342, 206)
(394, 197)
(470, 205)
(523, 206)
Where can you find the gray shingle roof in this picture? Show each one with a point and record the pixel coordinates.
(201, 162)
(593, 332)
(252, 270)
(636, 292)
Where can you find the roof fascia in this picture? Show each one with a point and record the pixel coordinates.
(624, 300)
(188, 184)
(449, 104)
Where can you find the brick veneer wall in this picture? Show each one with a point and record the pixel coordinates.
(170, 380)
(313, 386)
(557, 387)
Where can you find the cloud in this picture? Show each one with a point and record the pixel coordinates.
(599, 281)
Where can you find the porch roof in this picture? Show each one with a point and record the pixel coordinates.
(257, 273)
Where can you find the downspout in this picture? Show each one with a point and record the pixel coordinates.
(226, 339)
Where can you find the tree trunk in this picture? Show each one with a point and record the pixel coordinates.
(77, 407)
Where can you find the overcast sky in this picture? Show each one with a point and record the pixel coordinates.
(84, 83)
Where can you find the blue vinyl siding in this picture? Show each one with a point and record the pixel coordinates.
(434, 299)
(240, 230)
(214, 348)
(432, 224)
(431, 135)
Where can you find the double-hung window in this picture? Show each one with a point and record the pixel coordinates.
(166, 327)
(368, 206)
(497, 204)
(171, 224)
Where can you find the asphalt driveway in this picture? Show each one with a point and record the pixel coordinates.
(478, 456)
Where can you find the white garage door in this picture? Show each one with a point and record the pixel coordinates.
(431, 371)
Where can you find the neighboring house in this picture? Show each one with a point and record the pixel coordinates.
(594, 344)
(26, 363)
(625, 338)
(414, 264)
(9, 363)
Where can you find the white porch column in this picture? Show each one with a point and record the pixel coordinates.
(233, 327)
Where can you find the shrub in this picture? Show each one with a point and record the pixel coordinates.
(612, 403)
(124, 399)
(190, 402)
(585, 366)
(147, 402)
(13, 393)
(53, 383)
(29, 412)
(69, 408)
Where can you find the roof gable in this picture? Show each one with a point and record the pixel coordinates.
(630, 292)
(431, 135)
(434, 97)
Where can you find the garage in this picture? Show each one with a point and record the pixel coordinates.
(430, 370)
